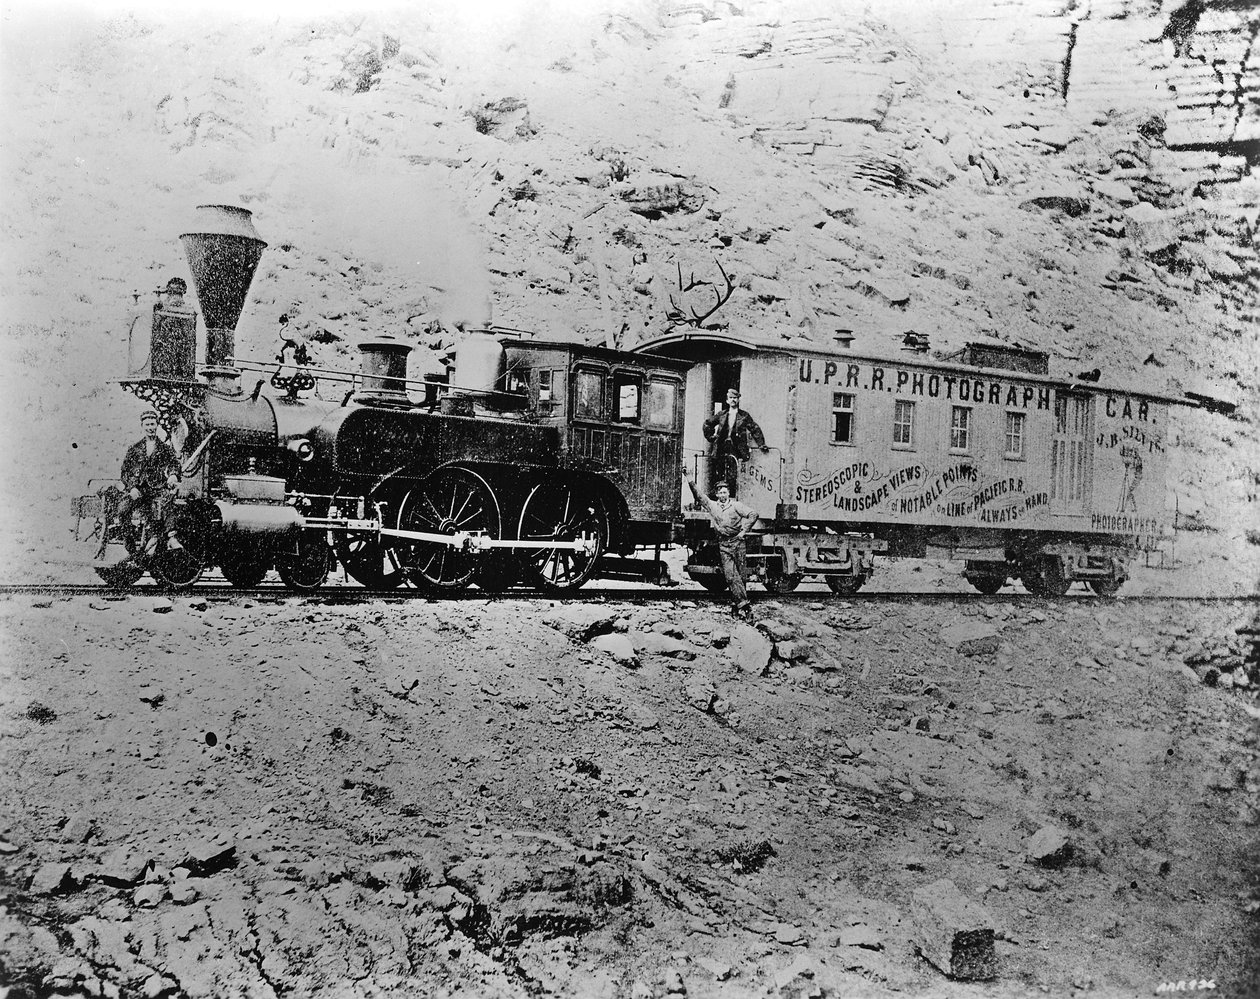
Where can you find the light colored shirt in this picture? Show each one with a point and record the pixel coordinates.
(728, 518)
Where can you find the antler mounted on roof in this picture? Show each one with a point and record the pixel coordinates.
(697, 319)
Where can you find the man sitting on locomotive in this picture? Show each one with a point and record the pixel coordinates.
(728, 432)
(150, 469)
(731, 521)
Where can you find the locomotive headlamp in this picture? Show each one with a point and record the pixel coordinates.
(302, 449)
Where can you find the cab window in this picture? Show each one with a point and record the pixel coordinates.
(550, 389)
(547, 385)
(662, 405)
(516, 381)
(588, 395)
(628, 397)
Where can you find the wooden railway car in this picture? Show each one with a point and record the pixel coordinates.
(983, 457)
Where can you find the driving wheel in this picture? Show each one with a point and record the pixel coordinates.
(369, 562)
(561, 511)
(449, 501)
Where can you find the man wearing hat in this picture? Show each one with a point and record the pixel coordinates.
(171, 297)
(149, 470)
(731, 521)
(729, 432)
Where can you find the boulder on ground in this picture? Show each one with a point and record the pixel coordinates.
(581, 622)
(1149, 227)
(52, 877)
(953, 932)
(619, 646)
(749, 649)
(1069, 202)
(1049, 847)
(657, 644)
(971, 638)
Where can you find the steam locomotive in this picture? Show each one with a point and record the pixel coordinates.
(545, 463)
(493, 479)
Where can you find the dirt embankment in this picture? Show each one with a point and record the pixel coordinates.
(514, 797)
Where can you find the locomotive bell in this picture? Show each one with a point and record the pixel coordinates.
(223, 249)
(383, 367)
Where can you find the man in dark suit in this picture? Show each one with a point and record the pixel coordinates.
(150, 470)
(731, 432)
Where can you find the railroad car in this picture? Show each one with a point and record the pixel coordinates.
(982, 457)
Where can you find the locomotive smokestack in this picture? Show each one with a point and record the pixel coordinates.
(223, 249)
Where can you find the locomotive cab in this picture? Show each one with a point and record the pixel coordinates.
(620, 417)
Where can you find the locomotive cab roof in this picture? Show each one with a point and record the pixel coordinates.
(597, 352)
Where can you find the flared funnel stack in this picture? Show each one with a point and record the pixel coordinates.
(223, 249)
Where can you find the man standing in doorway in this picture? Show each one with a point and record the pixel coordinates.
(730, 432)
(731, 521)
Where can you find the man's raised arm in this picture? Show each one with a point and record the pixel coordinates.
(691, 484)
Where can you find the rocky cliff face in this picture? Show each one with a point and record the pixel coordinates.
(1073, 177)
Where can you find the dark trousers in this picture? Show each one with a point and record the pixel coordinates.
(723, 467)
(733, 554)
(153, 508)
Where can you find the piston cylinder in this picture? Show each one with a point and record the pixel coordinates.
(258, 519)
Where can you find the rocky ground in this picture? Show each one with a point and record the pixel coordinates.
(521, 797)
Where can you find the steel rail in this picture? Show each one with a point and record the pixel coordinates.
(353, 593)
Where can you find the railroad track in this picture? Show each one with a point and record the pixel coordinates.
(683, 593)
